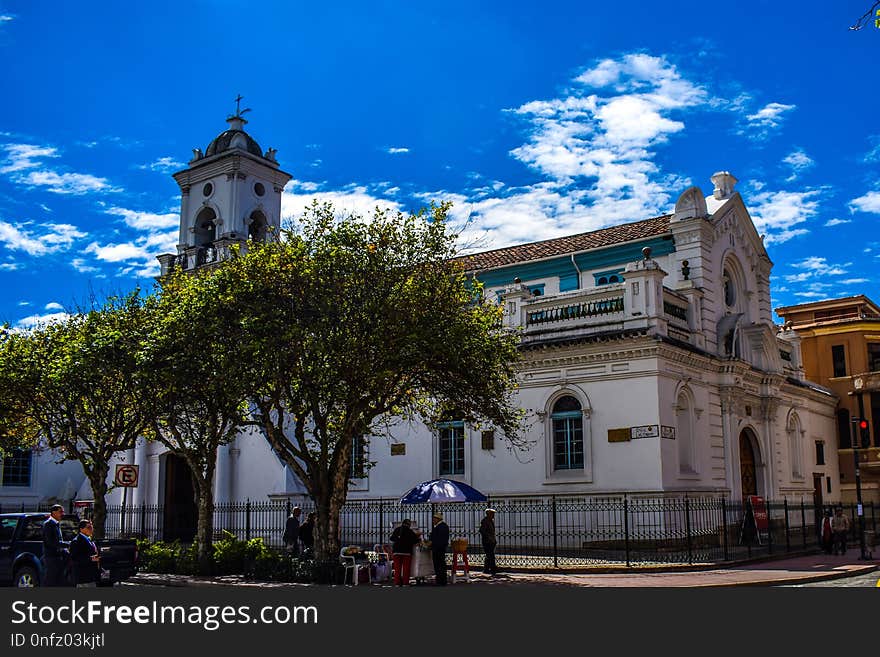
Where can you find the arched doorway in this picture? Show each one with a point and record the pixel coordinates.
(180, 513)
(748, 463)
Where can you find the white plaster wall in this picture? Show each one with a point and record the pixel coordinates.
(49, 480)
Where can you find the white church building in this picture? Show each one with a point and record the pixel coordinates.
(650, 360)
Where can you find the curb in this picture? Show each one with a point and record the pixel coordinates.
(821, 577)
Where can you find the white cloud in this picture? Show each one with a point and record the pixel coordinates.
(817, 266)
(53, 305)
(24, 156)
(812, 295)
(40, 320)
(21, 158)
(9, 266)
(837, 222)
(67, 183)
(117, 252)
(778, 213)
(148, 221)
(799, 162)
(870, 202)
(80, 265)
(163, 165)
(397, 150)
(853, 281)
(54, 238)
(352, 198)
(5, 18)
(24, 303)
(770, 116)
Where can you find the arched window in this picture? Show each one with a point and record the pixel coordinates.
(257, 227)
(685, 435)
(795, 447)
(602, 281)
(729, 285)
(843, 429)
(613, 279)
(568, 434)
(205, 227)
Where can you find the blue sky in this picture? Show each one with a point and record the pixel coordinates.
(536, 119)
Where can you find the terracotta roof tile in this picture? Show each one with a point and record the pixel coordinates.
(564, 245)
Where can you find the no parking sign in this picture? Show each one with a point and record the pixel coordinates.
(126, 476)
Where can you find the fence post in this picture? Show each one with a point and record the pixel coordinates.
(724, 528)
(555, 535)
(803, 523)
(626, 527)
(247, 520)
(143, 519)
(787, 528)
(687, 523)
(381, 521)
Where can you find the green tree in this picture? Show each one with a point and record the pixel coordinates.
(194, 364)
(75, 386)
(351, 321)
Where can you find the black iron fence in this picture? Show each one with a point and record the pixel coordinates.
(540, 531)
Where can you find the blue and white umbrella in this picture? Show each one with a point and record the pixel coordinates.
(438, 491)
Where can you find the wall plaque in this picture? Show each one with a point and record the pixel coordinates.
(619, 435)
(667, 432)
(647, 431)
(398, 449)
(488, 439)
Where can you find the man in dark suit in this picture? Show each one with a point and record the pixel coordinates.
(291, 531)
(439, 542)
(55, 548)
(84, 557)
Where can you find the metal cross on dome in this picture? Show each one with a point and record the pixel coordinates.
(238, 111)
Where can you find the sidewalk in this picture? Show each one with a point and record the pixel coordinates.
(796, 570)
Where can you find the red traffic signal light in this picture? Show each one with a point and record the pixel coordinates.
(863, 424)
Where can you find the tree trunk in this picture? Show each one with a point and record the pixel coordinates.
(327, 544)
(204, 484)
(98, 482)
(205, 531)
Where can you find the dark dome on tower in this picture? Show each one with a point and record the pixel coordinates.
(233, 139)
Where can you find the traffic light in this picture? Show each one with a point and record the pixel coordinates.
(864, 433)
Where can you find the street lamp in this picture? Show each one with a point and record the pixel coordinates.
(859, 424)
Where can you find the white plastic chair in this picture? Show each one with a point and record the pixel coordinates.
(351, 565)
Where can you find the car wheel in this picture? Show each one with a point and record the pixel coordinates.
(26, 578)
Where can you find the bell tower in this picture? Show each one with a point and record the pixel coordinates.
(230, 194)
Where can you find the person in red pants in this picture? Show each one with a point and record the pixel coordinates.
(403, 540)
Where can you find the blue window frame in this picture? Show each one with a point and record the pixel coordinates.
(568, 434)
(451, 448)
(17, 468)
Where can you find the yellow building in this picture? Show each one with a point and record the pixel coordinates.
(840, 347)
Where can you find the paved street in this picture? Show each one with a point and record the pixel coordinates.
(801, 571)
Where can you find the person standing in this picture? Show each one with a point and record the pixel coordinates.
(307, 534)
(55, 548)
(403, 540)
(487, 535)
(826, 533)
(840, 527)
(439, 542)
(291, 531)
(84, 558)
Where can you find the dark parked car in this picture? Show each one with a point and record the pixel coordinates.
(21, 550)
